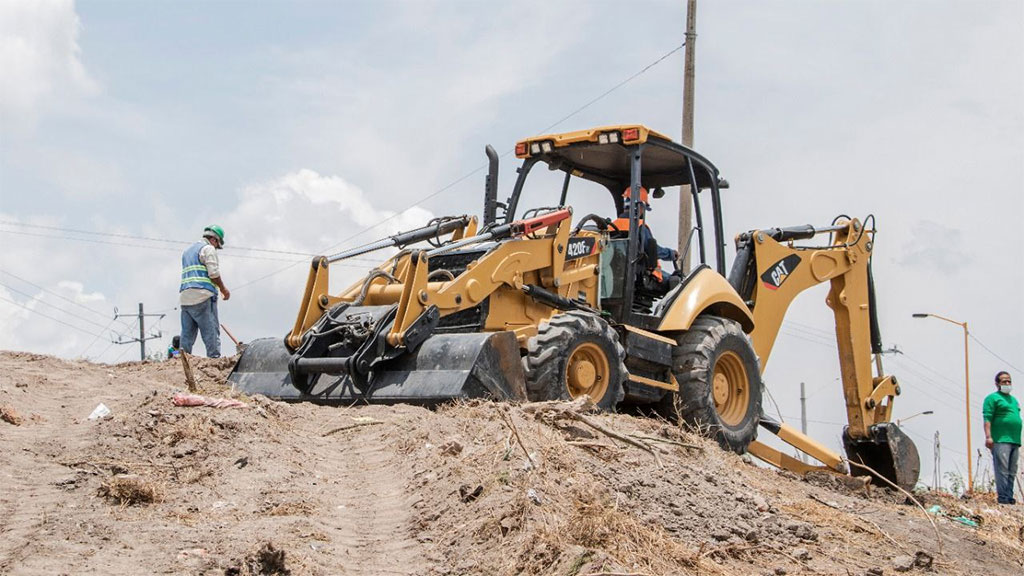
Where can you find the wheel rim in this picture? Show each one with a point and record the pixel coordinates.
(587, 372)
(730, 389)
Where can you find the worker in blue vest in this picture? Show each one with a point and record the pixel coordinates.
(200, 279)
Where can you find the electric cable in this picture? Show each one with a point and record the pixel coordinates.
(989, 350)
(475, 171)
(82, 330)
(79, 304)
(34, 299)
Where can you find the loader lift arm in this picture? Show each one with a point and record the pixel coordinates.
(769, 272)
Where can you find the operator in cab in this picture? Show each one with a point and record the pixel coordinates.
(652, 278)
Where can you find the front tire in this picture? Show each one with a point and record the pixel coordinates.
(576, 354)
(719, 380)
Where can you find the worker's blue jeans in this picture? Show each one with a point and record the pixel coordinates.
(202, 318)
(1004, 461)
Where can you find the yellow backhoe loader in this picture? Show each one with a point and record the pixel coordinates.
(530, 305)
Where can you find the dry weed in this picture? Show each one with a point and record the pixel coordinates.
(131, 491)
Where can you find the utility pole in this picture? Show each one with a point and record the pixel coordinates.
(937, 472)
(685, 199)
(142, 331)
(803, 416)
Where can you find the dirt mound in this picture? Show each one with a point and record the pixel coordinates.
(471, 488)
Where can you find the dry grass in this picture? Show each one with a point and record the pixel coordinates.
(191, 427)
(131, 491)
(594, 522)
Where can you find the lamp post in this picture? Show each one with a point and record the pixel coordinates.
(901, 420)
(967, 388)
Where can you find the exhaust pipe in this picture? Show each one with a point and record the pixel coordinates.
(491, 187)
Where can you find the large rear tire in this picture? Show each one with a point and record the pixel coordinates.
(719, 382)
(574, 354)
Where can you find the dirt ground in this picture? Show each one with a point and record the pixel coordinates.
(474, 488)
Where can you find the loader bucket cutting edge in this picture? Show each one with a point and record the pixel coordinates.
(445, 367)
(888, 451)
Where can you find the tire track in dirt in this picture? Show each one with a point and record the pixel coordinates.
(29, 454)
(372, 516)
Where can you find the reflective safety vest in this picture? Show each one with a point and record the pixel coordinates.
(622, 225)
(193, 272)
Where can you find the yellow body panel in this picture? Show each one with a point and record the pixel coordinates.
(708, 291)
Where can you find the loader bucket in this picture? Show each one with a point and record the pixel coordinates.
(445, 367)
(887, 451)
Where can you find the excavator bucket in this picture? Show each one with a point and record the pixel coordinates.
(888, 452)
(445, 367)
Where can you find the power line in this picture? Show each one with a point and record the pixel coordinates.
(989, 350)
(170, 249)
(147, 238)
(617, 86)
(96, 339)
(79, 304)
(475, 171)
(82, 318)
(84, 331)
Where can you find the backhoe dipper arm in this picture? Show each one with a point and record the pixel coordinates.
(783, 271)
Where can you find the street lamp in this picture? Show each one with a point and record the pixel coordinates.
(900, 420)
(967, 388)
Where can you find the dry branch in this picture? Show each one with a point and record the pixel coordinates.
(570, 410)
(909, 495)
(667, 441)
(515, 431)
(350, 426)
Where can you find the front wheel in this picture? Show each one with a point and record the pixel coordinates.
(719, 382)
(572, 355)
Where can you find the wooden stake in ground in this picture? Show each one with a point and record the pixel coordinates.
(189, 378)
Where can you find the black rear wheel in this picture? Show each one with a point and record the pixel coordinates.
(719, 382)
(572, 355)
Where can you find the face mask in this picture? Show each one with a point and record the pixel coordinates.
(1006, 388)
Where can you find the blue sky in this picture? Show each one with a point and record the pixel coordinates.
(303, 127)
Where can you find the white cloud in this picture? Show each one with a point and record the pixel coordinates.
(925, 253)
(39, 58)
(302, 212)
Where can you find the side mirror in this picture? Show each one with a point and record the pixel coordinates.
(659, 192)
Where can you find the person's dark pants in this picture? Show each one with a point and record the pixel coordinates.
(1004, 460)
(201, 318)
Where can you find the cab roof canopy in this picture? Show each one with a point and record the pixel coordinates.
(601, 155)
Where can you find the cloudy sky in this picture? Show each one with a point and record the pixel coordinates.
(307, 127)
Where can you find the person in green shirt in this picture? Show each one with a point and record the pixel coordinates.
(1002, 435)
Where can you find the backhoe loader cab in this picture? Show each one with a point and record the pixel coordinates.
(618, 158)
(539, 303)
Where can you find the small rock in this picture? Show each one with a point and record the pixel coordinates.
(533, 496)
(721, 534)
(903, 563)
(184, 449)
(802, 554)
(780, 571)
(874, 571)
(451, 448)
(805, 532)
(468, 493)
(924, 559)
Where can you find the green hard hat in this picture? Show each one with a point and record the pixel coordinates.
(214, 230)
